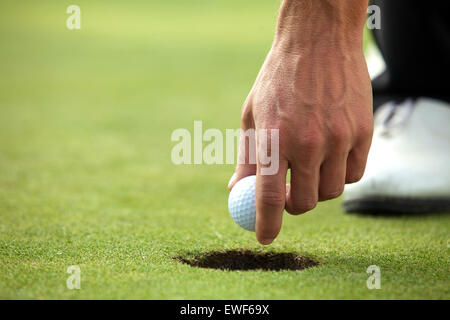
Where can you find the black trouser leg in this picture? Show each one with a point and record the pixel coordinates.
(414, 40)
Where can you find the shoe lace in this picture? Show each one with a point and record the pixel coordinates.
(395, 115)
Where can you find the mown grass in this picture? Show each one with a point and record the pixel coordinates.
(86, 177)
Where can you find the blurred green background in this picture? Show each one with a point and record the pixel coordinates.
(86, 176)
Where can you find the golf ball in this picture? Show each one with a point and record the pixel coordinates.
(241, 203)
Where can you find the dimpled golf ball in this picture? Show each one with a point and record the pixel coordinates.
(241, 203)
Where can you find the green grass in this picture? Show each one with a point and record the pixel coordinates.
(86, 177)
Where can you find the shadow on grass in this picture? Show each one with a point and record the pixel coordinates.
(248, 260)
(386, 207)
(397, 215)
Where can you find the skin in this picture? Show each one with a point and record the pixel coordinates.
(315, 89)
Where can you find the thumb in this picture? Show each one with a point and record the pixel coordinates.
(246, 160)
(246, 165)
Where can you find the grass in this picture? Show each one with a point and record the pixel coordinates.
(86, 177)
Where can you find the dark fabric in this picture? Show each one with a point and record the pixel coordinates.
(414, 40)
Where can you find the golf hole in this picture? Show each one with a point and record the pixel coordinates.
(248, 260)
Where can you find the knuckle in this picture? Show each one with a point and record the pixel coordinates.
(246, 113)
(303, 206)
(295, 211)
(311, 141)
(328, 195)
(341, 135)
(272, 198)
(365, 130)
(355, 176)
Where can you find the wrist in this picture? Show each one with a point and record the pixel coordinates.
(327, 24)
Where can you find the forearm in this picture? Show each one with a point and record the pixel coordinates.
(320, 23)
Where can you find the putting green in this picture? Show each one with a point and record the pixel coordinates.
(86, 176)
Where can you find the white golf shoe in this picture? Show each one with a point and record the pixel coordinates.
(408, 168)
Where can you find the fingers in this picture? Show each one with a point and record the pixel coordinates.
(318, 170)
(246, 157)
(302, 191)
(247, 150)
(332, 177)
(356, 161)
(305, 162)
(270, 202)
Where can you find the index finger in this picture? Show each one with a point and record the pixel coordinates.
(270, 192)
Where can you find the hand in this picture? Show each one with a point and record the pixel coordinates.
(317, 93)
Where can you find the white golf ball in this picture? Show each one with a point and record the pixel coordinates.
(241, 203)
